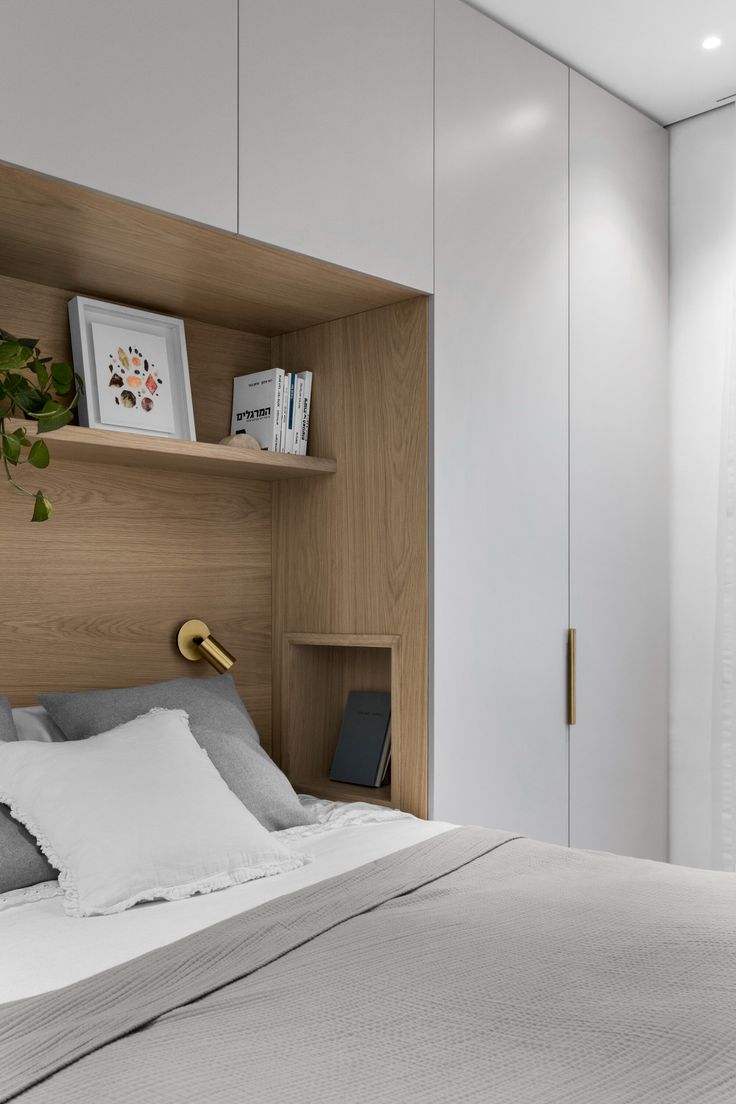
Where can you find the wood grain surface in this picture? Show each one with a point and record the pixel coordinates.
(68, 236)
(216, 355)
(319, 670)
(108, 446)
(351, 552)
(99, 591)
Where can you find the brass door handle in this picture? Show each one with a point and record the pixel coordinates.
(572, 687)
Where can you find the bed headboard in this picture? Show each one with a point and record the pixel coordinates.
(94, 597)
(99, 591)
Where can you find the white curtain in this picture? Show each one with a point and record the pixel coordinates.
(703, 490)
(723, 758)
(724, 712)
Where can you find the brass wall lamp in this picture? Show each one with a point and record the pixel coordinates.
(195, 641)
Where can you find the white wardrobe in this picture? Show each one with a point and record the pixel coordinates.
(550, 447)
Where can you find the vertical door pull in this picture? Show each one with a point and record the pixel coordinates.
(572, 688)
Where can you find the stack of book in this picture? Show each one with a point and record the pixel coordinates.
(273, 406)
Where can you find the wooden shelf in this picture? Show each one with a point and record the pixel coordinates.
(62, 234)
(318, 672)
(107, 446)
(343, 791)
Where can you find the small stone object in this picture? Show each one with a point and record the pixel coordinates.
(241, 440)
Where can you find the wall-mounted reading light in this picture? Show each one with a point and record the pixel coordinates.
(196, 642)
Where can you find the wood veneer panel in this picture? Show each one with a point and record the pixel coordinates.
(319, 679)
(216, 354)
(351, 552)
(109, 446)
(68, 236)
(100, 590)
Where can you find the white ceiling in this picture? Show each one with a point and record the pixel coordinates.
(648, 52)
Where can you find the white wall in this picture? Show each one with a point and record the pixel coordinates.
(702, 255)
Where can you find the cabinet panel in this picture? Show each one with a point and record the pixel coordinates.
(618, 474)
(134, 98)
(336, 132)
(500, 429)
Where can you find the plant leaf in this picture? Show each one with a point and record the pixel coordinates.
(29, 342)
(42, 372)
(13, 355)
(24, 394)
(11, 448)
(22, 434)
(62, 375)
(42, 508)
(53, 417)
(39, 454)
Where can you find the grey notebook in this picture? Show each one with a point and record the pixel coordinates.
(362, 751)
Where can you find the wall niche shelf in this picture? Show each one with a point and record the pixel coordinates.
(319, 671)
(107, 446)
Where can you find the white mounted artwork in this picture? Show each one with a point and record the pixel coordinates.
(135, 371)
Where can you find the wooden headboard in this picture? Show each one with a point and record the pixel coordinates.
(93, 598)
(99, 591)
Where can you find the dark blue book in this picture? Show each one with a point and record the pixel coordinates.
(362, 753)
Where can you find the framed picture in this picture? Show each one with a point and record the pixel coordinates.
(134, 367)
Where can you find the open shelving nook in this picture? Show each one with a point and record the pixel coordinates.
(319, 671)
(148, 532)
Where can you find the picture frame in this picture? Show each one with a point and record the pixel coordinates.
(135, 369)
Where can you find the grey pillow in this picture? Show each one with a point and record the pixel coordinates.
(84, 713)
(220, 724)
(7, 724)
(21, 862)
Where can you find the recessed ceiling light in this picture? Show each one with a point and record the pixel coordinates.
(712, 42)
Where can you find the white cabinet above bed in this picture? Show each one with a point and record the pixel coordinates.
(131, 97)
(336, 132)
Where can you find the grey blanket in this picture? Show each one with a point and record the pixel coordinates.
(471, 967)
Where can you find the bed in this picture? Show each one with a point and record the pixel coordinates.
(408, 961)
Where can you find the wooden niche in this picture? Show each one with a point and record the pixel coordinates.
(313, 571)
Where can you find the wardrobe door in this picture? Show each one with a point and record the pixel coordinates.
(618, 474)
(336, 131)
(500, 429)
(133, 97)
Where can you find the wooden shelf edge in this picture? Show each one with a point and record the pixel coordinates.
(106, 446)
(343, 640)
(343, 791)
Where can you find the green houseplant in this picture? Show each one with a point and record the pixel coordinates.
(30, 386)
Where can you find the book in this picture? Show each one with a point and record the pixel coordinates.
(287, 444)
(298, 412)
(279, 407)
(304, 425)
(284, 414)
(384, 766)
(257, 401)
(363, 747)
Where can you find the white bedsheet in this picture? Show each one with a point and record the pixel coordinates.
(41, 948)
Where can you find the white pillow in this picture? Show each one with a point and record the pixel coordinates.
(34, 723)
(136, 814)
